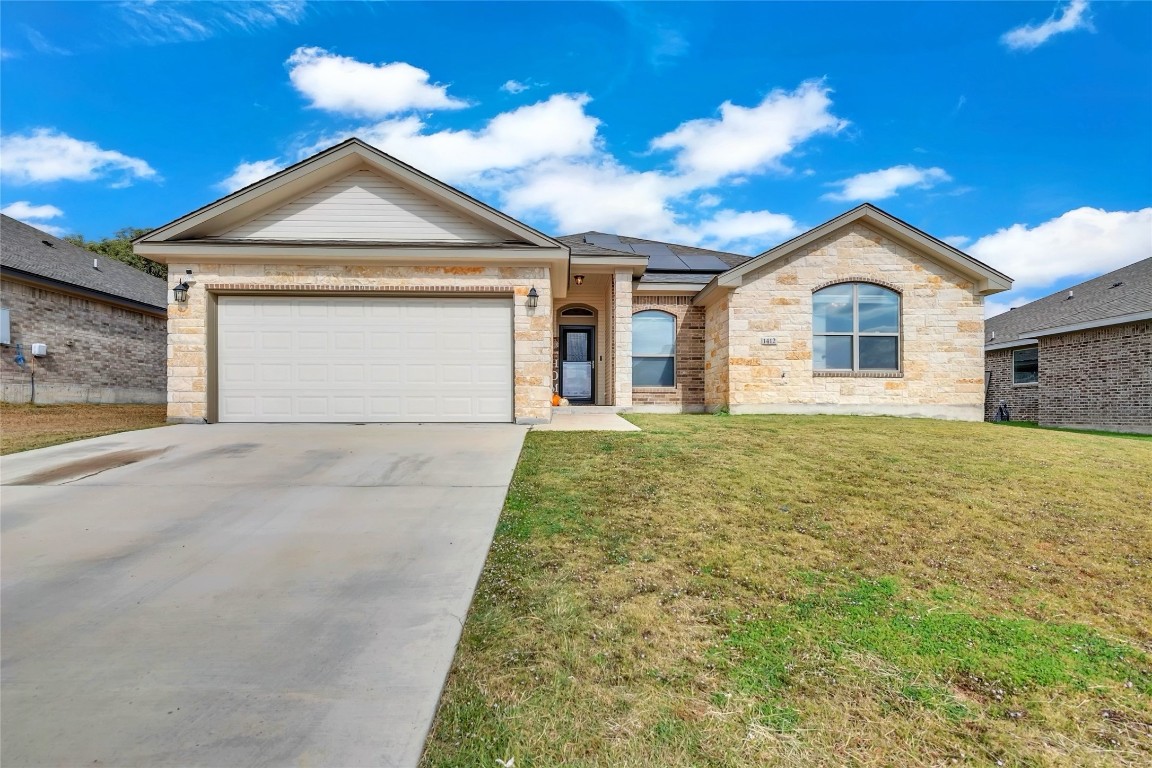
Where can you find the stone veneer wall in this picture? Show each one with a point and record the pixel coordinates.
(942, 339)
(1023, 399)
(188, 368)
(1098, 379)
(716, 355)
(622, 338)
(688, 394)
(97, 352)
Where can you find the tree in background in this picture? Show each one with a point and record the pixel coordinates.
(119, 247)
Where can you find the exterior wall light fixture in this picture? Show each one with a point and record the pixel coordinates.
(533, 298)
(578, 279)
(180, 292)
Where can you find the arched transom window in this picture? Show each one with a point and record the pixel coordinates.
(855, 327)
(653, 349)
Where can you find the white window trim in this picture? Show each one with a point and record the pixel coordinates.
(672, 356)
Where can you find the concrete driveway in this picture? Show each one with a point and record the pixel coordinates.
(240, 595)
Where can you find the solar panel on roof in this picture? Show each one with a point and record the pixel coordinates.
(606, 241)
(666, 262)
(652, 249)
(704, 263)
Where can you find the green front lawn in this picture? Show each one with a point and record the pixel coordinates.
(746, 591)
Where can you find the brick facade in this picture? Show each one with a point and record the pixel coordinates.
(688, 394)
(188, 363)
(1095, 379)
(1023, 400)
(97, 352)
(941, 335)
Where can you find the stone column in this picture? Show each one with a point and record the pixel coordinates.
(622, 336)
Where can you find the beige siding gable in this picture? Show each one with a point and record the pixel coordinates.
(365, 206)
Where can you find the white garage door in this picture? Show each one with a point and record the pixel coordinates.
(351, 359)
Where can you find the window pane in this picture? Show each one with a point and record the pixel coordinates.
(879, 310)
(878, 353)
(832, 310)
(577, 347)
(832, 353)
(653, 333)
(1026, 366)
(653, 372)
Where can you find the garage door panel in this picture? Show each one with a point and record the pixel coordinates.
(317, 359)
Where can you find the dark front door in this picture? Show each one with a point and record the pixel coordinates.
(578, 363)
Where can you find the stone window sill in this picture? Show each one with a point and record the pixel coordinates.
(654, 389)
(858, 374)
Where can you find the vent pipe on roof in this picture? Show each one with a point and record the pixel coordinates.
(95, 264)
(1069, 296)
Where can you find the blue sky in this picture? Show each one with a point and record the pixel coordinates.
(1022, 132)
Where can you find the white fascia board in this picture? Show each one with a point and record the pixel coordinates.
(987, 280)
(1088, 325)
(993, 346)
(329, 164)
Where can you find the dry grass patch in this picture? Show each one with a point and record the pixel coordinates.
(812, 591)
(24, 427)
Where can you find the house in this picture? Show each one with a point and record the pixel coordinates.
(1081, 357)
(351, 287)
(102, 323)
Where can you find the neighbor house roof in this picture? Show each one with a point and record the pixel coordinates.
(33, 253)
(1120, 296)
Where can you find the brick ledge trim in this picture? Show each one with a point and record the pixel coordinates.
(858, 374)
(324, 288)
(859, 279)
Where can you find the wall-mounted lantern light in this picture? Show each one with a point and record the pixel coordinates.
(533, 298)
(180, 292)
(578, 279)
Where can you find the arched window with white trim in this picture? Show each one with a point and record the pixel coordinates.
(653, 349)
(856, 327)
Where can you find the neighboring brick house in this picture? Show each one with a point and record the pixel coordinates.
(102, 323)
(1081, 357)
(353, 287)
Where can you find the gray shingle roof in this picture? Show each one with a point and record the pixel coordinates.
(581, 248)
(30, 250)
(700, 278)
(1092, 301)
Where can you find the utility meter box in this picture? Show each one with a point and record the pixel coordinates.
(5, 328)
(39, 350)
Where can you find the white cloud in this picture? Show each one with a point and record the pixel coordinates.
(1030, 36)
(556, 127)
(42, 44)
(344, 85)
(249, 173)
(35, 215)
(514, 87)
(1081, 242)
(24, 210)
(547, 163)
(176, 22)
(751, 139)
(878, 185)
(957, 241)
(46, 155)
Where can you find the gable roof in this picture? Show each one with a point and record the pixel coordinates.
(580, 245)
(205, 224)
(27, 251)
(986, 279)
(1118, 296)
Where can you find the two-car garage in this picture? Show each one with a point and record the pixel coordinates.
(342, 358)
